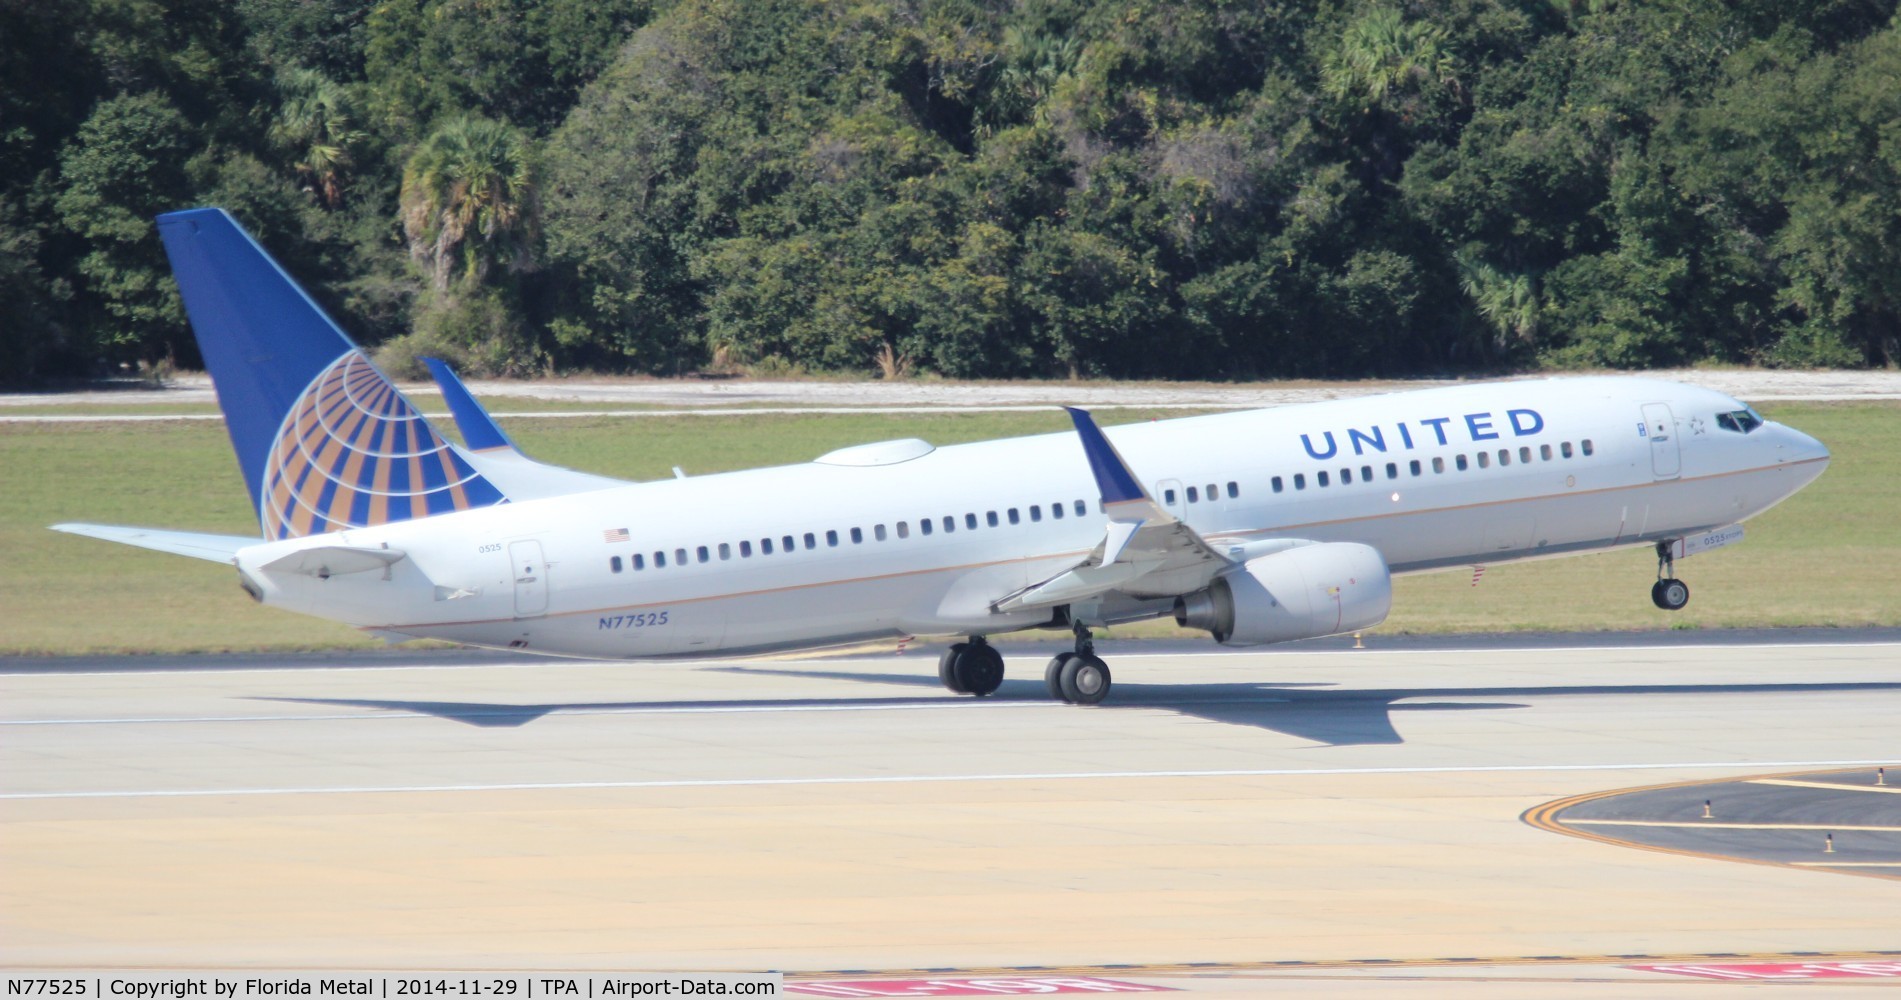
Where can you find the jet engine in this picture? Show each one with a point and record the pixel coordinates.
(1298, 593)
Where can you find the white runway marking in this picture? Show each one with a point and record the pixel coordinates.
(1833, 786)
(927, 779)
(475, 710)
(1010, 655)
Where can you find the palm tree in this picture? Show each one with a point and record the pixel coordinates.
(314, 124)
(469, 192)
(1381, 53)
(1508, 301)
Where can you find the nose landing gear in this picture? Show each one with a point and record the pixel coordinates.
(1668, 593)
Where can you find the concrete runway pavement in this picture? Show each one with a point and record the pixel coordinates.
(849, 814)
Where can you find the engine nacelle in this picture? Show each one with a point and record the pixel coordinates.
(1299, 593)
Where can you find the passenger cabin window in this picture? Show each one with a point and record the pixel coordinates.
(1413, 467)
(904, 529)
(1392, 470)
(1275, 484)
(660, 560)
(640, 561)
(1346, 476)
(725, 551)
(745, 550)
(1056, 511)
(1438, 465)
(1193, 495)
(877, 531)
(1300, 480)
(858, 536)
(1485, 459)
(1320, 478)
(1168, 496)
(787, 545)
(990, 517)
(1524, 455)
(679, 557)
(1504, 457)
(703, 554)
(1565, 449)
(1212, 494)
(615, 563)
(831, 538)
(970, 521)
(950, 523)
(765, 546)
(811, 541)
(924, 525)
(1544, 452)
(1366, 473)
(1585, 446)
(1014, 518)
(1459, 461)
(1234, 492)
(1036, 512)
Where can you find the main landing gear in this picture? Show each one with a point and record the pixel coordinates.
(1080, 678)
(1668, 593)
(973, 667)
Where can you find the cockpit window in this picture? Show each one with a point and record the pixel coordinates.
(1741, 421)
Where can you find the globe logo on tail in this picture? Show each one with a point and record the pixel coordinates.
(352, 452)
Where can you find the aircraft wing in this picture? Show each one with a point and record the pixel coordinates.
(212, 548)
(1145, 550)
(493, 454)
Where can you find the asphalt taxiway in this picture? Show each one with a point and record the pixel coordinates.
(1251, 810)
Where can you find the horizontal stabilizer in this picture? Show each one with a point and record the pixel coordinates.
(326, 561)
(211, 548)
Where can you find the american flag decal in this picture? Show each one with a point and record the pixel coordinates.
(616, 535)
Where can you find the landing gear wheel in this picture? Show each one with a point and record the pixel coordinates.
(1670, 595)
(1085, 679)
(947, 667)
(1053, 675)
(978, 668)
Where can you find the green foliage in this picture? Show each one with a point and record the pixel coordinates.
(126, 165)
(975, 188)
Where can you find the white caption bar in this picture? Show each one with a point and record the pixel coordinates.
(228, 985)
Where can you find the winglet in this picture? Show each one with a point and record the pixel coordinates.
(1113, 477)
(479, 430)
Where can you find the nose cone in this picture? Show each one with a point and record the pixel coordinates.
(1794, 448)
(1799, 447)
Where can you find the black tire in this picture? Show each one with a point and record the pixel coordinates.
(979, 669)
(947, 667)
(1670, 595)
(1086, 680)
(1053, 675)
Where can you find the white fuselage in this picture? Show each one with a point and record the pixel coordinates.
(701, 566)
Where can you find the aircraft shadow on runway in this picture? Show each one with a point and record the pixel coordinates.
(1317, 712)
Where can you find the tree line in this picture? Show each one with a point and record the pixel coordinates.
(972, 188)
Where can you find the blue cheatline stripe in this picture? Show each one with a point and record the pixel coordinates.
(1113, 477)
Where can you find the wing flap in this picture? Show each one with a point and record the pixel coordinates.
(1145, 551)
(211, 548)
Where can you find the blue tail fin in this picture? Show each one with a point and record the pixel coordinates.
(325, 441)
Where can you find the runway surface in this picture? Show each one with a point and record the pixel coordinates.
(1248, 809)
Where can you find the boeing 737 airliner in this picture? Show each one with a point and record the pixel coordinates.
(1259, 527)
